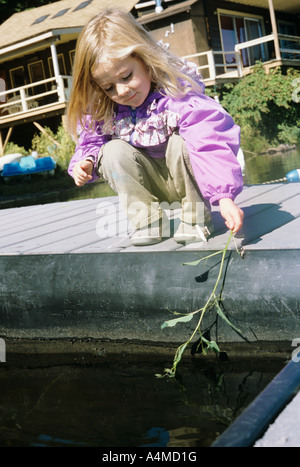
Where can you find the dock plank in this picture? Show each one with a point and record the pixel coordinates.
(97, 225)
(44, 214)
(251, 192)
(271, 219)
(37, 227)
(275, 194)
(287, 238)
(47, 216)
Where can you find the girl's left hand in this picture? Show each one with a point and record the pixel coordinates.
(232, 214)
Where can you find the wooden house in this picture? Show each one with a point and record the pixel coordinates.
(224, 38)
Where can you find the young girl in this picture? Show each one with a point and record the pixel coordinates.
(147, 128)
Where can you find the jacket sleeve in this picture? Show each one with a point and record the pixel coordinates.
(88, 147)
(212, 140)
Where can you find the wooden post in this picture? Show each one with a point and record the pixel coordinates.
(58, 78)
(274, 29)
(1, 145)
(60, 89)
(23, 100)
(211, 64)
(54, 60)
(42, 130)
(7, 137)
(64, 122)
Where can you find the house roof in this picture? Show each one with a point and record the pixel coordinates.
(60, 15)
(287, 6)
(62, 20)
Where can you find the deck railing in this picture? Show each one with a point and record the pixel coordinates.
(39, 94)
(212, 63)
(285, 51)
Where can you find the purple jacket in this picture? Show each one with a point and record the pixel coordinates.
(211, 137)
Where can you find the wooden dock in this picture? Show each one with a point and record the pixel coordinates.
(68, 270)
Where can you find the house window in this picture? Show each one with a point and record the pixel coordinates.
(40, 19)
(82, 5)
(61, 12)
(37, 73)
(72, 56)
(17, 77)
(236, 29)
(61, 64)
(288, 29)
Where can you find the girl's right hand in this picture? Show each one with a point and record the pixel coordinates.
(232, 214)
(82, 172)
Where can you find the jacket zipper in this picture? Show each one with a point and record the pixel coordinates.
(133, 115)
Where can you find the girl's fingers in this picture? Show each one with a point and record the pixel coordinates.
(80, 173)
(237, 221)
(232, 214)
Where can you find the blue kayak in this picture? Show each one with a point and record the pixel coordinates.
(28, 165)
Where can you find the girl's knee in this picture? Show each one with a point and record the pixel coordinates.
(116, 151)
(116, 144)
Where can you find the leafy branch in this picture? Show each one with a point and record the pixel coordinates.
(213, 301)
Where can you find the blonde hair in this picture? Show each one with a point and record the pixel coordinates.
(115, 34)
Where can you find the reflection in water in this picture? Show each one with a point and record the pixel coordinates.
(269, 167)
(258, 169)
(117, 401)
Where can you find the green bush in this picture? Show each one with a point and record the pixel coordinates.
(12, 148)
(58, 145)
(262, 104)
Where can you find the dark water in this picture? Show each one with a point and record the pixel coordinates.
(269, 167)
(258, 169)
(116, 401)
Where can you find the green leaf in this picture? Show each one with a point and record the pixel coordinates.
(195, 263)
(211, 302)
(192, 263)
(211, 344)
(173, 322)
(179, 353)
(220, 313)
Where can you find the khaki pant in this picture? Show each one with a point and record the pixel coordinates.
(147, 185)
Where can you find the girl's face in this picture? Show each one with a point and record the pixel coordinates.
(125, 82)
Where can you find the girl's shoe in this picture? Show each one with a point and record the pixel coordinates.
(148, 235)
(191, 233)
